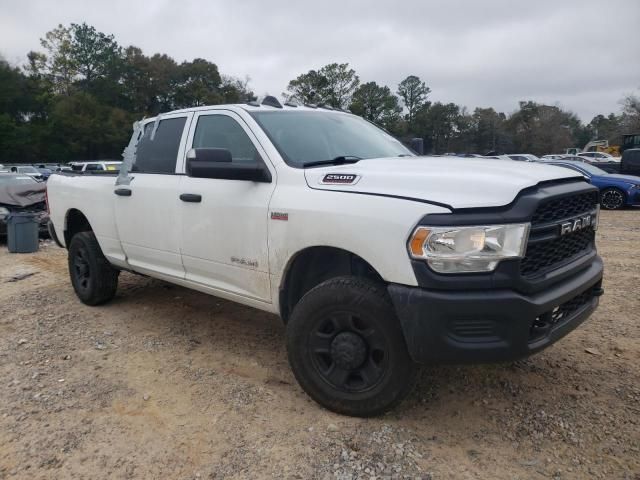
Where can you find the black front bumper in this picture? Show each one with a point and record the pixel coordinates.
(464, 326)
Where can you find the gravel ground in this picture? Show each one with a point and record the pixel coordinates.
(164, 382)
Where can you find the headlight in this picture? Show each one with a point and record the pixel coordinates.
(4, 212)
(468, 249)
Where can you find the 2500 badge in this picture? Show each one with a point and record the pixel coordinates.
(339, 178)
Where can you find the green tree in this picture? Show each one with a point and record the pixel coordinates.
(198, 83)
(21, 115)
(414, 93)
(307, 88)
(377, 104)
(630, 118)
(80, 127)
(488, 131)
(541, 129)
(438, 124)
(235, 90)
(57, 65)
(332, 85)
(341, 82)
(94, 54)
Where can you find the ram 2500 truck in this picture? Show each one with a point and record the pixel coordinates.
(376, 259)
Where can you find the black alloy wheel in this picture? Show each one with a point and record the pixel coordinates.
(348, 352)
(347, 349)
(612, 199)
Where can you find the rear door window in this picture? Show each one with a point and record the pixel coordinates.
(159, 154)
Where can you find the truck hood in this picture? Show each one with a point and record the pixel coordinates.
(449, 181)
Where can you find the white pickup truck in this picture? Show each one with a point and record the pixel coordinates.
(376, 259)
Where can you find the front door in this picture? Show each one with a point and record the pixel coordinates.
(224, 232)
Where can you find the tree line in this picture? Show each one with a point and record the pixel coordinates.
(78, 96)
(446, 127)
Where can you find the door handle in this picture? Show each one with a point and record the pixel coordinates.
(123, 192)
(191, 197)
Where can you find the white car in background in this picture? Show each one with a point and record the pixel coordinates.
(523, 157)
(98, 166)
(598, 157)
(29, 170)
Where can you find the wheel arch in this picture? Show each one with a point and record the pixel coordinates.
(313, 265)
(74, 222)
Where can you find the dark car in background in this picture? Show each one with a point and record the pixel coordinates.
(630, 163)
(45, 172)
(616, 191)
(609, 166)
(20, 193)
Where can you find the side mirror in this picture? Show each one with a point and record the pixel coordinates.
(217, 163)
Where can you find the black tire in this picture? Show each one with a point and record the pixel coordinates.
(347, 350)
(612, 199)
(93, 278)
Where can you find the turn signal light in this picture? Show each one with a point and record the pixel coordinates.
(416, 245)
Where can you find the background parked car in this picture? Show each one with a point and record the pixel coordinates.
(599, 156)
(29, 170)
(45, 172)
(102, 166)
(630, 163)
(23, 194)
(616, 191)
(523, 157)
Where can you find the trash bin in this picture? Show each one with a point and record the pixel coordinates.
(22, 233)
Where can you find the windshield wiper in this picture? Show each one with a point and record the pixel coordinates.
(341, 160)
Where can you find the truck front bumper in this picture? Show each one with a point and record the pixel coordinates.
(448, 326)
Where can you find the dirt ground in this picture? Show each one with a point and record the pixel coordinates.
(164, 382)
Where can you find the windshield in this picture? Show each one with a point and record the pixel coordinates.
(15, 179)
(305, 137)
(590, 169)
(27, 170)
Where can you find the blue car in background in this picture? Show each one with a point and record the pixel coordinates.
(616, 191)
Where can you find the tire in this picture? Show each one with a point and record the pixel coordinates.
(347, 350)
(93, 278)
(612, 199)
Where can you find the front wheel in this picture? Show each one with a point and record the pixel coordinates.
(93, 278)
(346, 348)
(612, 199)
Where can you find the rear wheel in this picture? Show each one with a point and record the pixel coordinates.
(347, 350)
(93, 278)
(612, 199)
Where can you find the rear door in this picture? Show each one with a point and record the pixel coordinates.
(148, 209)
(224, 232)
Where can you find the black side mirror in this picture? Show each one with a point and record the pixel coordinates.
(217, 163)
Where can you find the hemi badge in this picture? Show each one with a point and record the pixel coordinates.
(339, 179)
(279, 216)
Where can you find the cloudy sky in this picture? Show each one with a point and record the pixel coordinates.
(582, 55)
